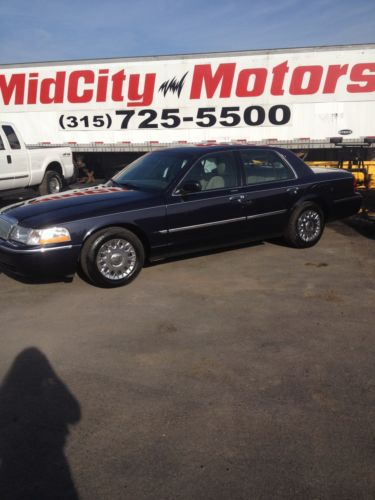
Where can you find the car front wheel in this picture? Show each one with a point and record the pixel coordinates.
(305, 226)
(112, 257)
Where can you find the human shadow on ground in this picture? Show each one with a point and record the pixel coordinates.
(36, 409)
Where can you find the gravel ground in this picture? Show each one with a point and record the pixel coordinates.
(240, 374)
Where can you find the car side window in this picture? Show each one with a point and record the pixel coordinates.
(14, 143)
(215, 171)
(1, 144)
(264, 166)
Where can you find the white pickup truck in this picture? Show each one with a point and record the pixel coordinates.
(46, 169)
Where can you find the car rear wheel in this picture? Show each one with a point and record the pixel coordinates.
(305, 226)
(52, 183)
(112, 257)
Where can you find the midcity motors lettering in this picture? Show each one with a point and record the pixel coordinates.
(207, 81)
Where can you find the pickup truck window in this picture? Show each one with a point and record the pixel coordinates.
(14, 143)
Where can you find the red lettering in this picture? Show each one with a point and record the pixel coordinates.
(298, 85)
(209, 81)
(52, 89)
(32, 88)
(136, 98)
(334, 72)
(117, 84)
(203, 75)
(258, 84)
(101, 91)
(360, 73)
(15, 86)
(74, 82)
(279, 73)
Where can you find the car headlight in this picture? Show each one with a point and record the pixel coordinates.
(45, 236)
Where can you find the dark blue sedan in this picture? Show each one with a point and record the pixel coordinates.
(169, 202)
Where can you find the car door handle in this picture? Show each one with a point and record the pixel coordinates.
(246, 201)
(241, 198)
(9, 159)
(237, 197)
(292, 190)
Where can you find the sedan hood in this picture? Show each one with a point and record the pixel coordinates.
(75, 204)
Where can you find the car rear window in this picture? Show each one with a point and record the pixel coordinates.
(264, 166)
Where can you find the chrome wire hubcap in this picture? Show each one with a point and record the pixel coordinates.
(309, 226)
(116, 259)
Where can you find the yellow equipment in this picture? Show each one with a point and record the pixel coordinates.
(363, 171)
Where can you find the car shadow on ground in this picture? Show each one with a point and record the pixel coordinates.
(36, 281)
(36, 410)
(166, 260)
(202, 253)
(358, 225)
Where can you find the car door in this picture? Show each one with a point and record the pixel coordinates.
(212, 214)
(17, 157)
(271, 188)
(6, 170)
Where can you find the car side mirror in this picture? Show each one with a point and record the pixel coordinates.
(189, 187)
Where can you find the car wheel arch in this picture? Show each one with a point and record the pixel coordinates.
(305, 224)
(54, 166)
(130, 227)
(318, 200)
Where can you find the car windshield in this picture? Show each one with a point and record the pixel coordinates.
(154, 171)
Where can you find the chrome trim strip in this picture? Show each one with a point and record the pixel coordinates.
(258, 216)
(217, 223)
(232, 192)
(348, 198)
(7, 249)
(206, 224)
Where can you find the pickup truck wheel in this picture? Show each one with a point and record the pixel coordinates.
(52, 183)
(112, 257)
(305, 226)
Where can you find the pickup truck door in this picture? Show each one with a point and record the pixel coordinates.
(6, 170)
(17, 158)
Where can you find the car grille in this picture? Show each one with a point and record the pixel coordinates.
(6, 226)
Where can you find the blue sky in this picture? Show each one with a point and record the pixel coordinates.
(42, 30)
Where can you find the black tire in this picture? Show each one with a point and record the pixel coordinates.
(305, 226)
(52, 183)
(112, 257)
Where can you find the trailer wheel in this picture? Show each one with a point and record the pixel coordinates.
(305, 226)
(112, 257)
(52, 183)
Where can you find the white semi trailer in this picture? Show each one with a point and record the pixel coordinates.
(302, 98)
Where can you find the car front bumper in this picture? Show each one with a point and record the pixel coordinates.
(56, 261)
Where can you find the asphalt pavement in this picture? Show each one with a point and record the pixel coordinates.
(239, 374)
